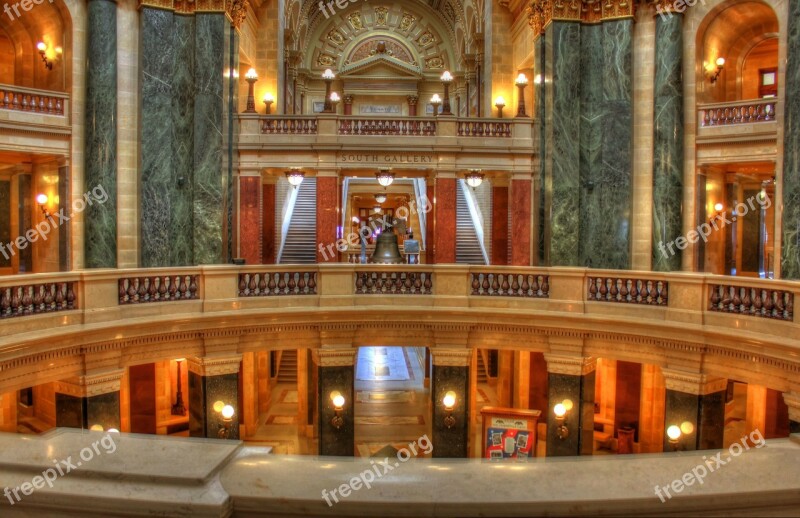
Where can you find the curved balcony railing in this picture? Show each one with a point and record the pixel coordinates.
(389, 126)
(289, 125)
(32, 100)
(738, 112)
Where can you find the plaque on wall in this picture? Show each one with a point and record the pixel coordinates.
(509, 434)
(379, 109)
(318, 106)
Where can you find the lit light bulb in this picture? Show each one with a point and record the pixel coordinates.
(251, 74)
(328, 74)
(41, 199)
(449, 400)
(338, 401)
(113, 430)
(447, 76)
(227, 411)
(522, 79)
(500, 101)
(560, 410)
(568, 404)
(720, 62)
(674, 433)
(218, 406)
(687, 427)
(436, 99)
(96, 428)
(268, 98)
(718, 207)
(41, 46)
(335, 97)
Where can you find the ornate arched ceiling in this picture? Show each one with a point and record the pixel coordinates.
(455, 25)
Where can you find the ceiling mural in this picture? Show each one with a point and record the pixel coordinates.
(413, 36)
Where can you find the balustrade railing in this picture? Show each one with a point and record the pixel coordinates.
(28, 100)
(415, 127)
(752, 301)
(272, 284)
(289, 126)
(534, 286)
(394, 283)
(651, 292)
(739, 112)
(34, 299)
(484, 128)
(159, 288)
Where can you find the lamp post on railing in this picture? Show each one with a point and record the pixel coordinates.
(328, 76)
(436, 101)
(251, 77)
(446, 78)
(522, 82)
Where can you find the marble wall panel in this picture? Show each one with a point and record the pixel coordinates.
(450, 442)
(25, 222)
(790, 252)
(521, 222)
(250, 219)
(268, 224)
(445, 234)
(64, 231)
(327, 200)
(500, 225)
(5, 222)
(332, 441)
(579, 421)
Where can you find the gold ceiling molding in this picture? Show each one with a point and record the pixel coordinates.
(542, 12)
(236, 10)
(91, 385)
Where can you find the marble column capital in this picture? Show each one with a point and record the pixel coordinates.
(693, 383)
(443, 357)
(336, 357)
(93, 384)
(570, 365)
(214, 365)
(792, 400)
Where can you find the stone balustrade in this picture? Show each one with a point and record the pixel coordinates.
(484, 128)
(289, 125)
(31, 100)
(737, 112)
(417, 127)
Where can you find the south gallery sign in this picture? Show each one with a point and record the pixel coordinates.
(373, 158)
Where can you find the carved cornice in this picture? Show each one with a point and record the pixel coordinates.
(91, 384)
(215, 365)
(236, 10)
(792, 400)
(542, 12)
(693, 383)
(335, 357)
(451, 357)
(570, 365)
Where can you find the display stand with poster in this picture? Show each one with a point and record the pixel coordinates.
(509, 433)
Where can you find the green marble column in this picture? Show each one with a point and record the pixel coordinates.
(5, 223)
(210, 182)
(790, 252)
(668, 142)
(562, 142)
(100, 220)
(539, 122)
(158, 188)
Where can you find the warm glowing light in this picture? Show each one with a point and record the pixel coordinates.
(449, 400)
(385, 177)
(113, 430)
(674, 433)
(718, 207)
(41, 46)
(522, 79)
(59, 50)
(295, 177)
(335, 97)
(568, 404)
(227, 412)
(537, 79)
(436, 99)
(356, 220)
(499, 102)
(338, 402)
(380, 198)
(720, 62)
(41, 199)
(269, 98)
(328, 74)
(560, 410)
(251, 74)
(218, 406)
(447, 76)
(96, 428)
(687, 427)
(474, 178)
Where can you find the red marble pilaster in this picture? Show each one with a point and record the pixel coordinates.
(250, 219)
(327, 197)
(268, 224)
(521, 222)
(445, 211)
(500, 225)
(430, 255)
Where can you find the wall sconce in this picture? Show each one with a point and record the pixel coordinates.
(474, 178)
(251, 77)
(268, 100)
(42, 48)
(561, 410)
(521, 82)
(41, 199)
(334, 101)
(337, 421)
(500, 103)
(99, 428)
(718, 211)
(720, 66)
(449, 402)
(328, 76)
(436, 101)
(227, 418)
(675, 432)
(179, 408)
(446, 79)
(295, 177)
(385, 177)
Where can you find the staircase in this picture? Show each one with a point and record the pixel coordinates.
(301, 239)
(468, 248)
(287, 368)
(483, 365)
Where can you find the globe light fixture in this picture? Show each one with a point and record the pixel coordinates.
(328, 76)
(720, 65)
(295, 177)
(436, 101)
(500, 103)
(385, 177)
(521, 82)
(268, 100)
(380, 198)
(449, 403)
(474, 178)
(251, 77)
(446, 78)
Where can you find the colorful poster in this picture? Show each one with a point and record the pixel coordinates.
(508, 443)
